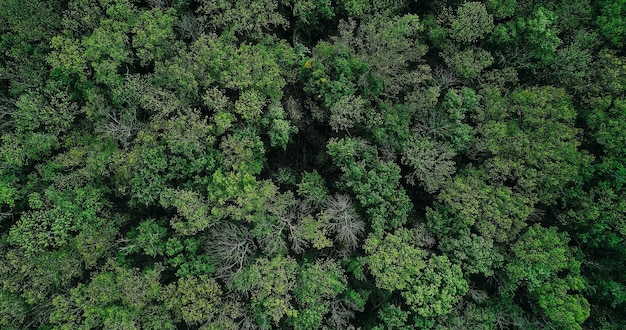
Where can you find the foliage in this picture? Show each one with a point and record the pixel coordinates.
(118, 298)
(429, 284)
(611, 21)
(470, 22)
(249, 18)
(196, 298)
(318, 284)
(373, 181)
(431, 162)
(540, 270)
(314, 164)
(269, 284)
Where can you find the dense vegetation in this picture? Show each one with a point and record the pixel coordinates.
(185, 164)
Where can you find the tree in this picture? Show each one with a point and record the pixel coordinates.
(307, 230)
(563, 308)
(476, 254)
(257, 164)
(194, 212)
(245, 17)
(538, 147)
(29, 283)
(393, 317)
(317, 285)
(469, 62)
(188, 257)
(446, 121)
(233, 247)
(346, 112)
(104, 50)
(344, 222)
(198, 299)
(543, 262)
(52, 227)
(218, 60)
(148, 238)
(27, 27)
(332, 73)
(468, 202)
(311, 16)
(374, 182)
(392, 50)
(429, 284)
(269, 283)
(169, 153)
(611, 21)
(114, 298)
(470, 23)
(153, 35)
(501, 8)
(431, 162)
(313, 188)
(363, 9)
(472, 316)
(533, 36)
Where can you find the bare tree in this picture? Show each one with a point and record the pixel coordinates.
(119, 127)
(340, 313)
(445, 78)
(163, 4)
(191, 26)
(344, 223)
(6, 116)
(291, 220)
(233, 246)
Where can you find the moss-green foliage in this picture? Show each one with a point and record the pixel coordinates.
(315, 164)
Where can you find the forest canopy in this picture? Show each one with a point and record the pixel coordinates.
(312, 164)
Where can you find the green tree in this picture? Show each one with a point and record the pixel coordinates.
(545, 265)
(29, 283)
(538, 146)
(392, 50)
(27, 27)
(533, 36)
(148, 238)
(364, 9)
(197, 299)
(468, 202)
(317, 285)
(116, 298)
(429, 284)
(374, 182)
(270, 283)
(470, 23)
(311, 16)
(312, 187)
(53, 227)
(246, 17)
(153, 35)
(469, 62)
(612, 21)
(447, 121)
(475, 253)
(431, 162)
